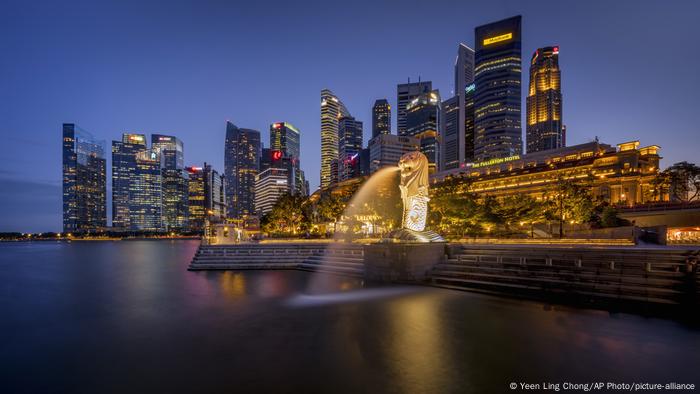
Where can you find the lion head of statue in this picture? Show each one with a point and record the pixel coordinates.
(414, 171)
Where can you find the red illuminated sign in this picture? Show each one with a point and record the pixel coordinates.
(276, 155)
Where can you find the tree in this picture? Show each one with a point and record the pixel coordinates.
(286, 217)
(453, 209)
(570, 201)
(681, 182)
(329, 208)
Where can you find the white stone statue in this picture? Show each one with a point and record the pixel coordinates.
(414, 190)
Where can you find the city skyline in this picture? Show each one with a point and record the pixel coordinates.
(588, 114)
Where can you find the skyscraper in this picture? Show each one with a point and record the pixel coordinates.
(381, 117)
(270, 185)
(170, 149)
(332, 109)
(123, 167)
(461, 141)
(175, 197)
(544, 102)
(146, 193)
(241, 164)
(206, 196)
(284, 137)
(449, 132)
(497, 75)
(422, 122)
(349, 147)
(405, 93)
(84, 181)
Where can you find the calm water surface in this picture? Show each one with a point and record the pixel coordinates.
(127, 317)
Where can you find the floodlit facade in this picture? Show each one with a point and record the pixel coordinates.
(170, 149)
(544, 102)
(270, 185)
(206, 196)
(123, 168)
(242, 152)
(381, 117)
(619, 175)
(332, 109)
(405, 93)
(497, 100)
(386, 150)
(84, 181)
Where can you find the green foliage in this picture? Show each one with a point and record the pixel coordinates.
(287, 217)
(681, 182)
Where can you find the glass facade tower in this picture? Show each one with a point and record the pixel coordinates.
(422, 122)
(84, 181)
(381, 117)
(497, 100)
(242, 152)
(349, 147)
(405, 93)
(123, 167)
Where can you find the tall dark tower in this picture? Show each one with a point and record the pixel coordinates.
(241, 164)
(497, 76)
(381, 118)
(544, 102)
(405, 93)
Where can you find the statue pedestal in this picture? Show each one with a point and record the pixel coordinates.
(401, 262)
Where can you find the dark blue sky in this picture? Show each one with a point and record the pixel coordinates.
(629, 71)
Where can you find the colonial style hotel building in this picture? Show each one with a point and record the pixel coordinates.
(620, 175)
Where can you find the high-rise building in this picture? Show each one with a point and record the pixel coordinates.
(123, 167)
(464, 90)
(449, 132)
(544, 102)
(386, 150)
(197, 208)
(175, 197)
(422, 122)
(349, 147)
(285, 138)
(381, 117)
(405, 93)
(206, 196)
(275, 159)
(170, 149)
(270, 185)
(332, 109)
(146, 193)
(241, 164)
(84, 181)
(497, 75)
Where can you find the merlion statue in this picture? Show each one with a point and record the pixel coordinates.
(414, 193)
(414, 190)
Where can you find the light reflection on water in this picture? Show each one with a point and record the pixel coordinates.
(83, 317)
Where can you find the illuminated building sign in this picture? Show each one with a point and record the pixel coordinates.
(502, 37)
(277, 125)
(496, 161)
(276, 154)
(470, 88)
(556, 50)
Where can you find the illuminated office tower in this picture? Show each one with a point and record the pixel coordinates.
(84, 181)
(123, 167)
(497, 75)
(332, 109)
(381, 117)
(241, 164)
(275, 159)
(145, 193)
(285, 138)
(175, 197)
(405, 93)
(206, 196)
(349, 147)
(170, 149)
(270, 185)
(544, 102)
(422, 122)
(197, 209)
